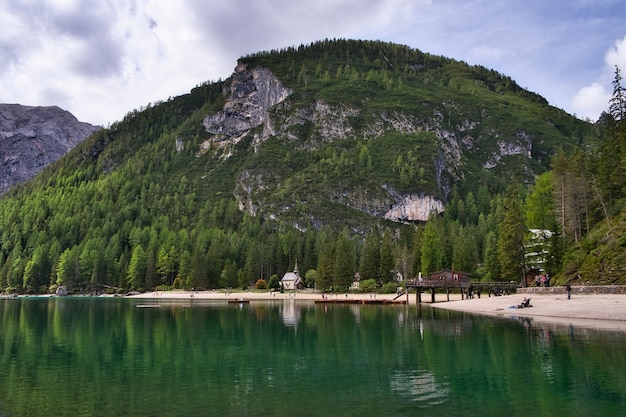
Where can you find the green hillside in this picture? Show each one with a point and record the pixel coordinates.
(161, 199)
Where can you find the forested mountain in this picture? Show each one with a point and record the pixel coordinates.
(32, 137)
(331, 155)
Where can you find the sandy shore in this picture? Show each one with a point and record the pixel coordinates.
(606, 311)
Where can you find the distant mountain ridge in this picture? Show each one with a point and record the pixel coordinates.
(33, 137)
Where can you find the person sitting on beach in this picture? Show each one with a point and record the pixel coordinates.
(525, 303)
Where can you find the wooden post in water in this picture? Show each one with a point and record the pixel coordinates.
(448, 293)
(418, 295)
(432, 295)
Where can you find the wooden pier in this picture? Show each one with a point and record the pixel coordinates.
(466, 288)
(239, 301)
(432, 285)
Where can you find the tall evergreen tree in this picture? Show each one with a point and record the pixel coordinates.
(617, 104)
(432, 253)
(137, 268)
(511, 231)
(345, 261)
(417, 251)
(37, 269)
(151, 273)
(387, 259)
(540, 203)
(465, 252)
(325, 268)
(612, 160)
(166, 264)
(491, 262)
(198, 274)
(369, 265)
(228, 277)
(68, 269)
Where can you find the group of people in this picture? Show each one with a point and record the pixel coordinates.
(471, 292)
(542, 280)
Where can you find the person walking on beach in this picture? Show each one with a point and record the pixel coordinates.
(568, 288)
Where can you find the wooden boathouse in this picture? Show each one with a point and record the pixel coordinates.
(445, 279)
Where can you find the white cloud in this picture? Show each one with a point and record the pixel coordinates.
(101, 59)
(590, 101)
(113, 56)
(617, 55)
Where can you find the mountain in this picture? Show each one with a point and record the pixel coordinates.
(33, 137)
(298, 151)
(375, 132)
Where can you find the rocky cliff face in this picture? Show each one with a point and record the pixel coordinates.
(258, 106)
(412, 207)
(33, 137)
(253, 92)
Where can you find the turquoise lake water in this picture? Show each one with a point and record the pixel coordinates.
(123, 357)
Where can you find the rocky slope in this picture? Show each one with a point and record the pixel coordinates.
(33, 137)
(260, 107)
(254, 93)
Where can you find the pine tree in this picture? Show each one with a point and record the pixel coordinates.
(612, 161)
(325, 267)
(491, 262)
(370, 256)
(432, 253)
(228, 277)
(540, 203)
(198, 274)
(68, 268)
(37, 269)
(617, 104)
(137, 268)
(151, 273)
(465, 251)
(387, 259)
(511, 230)
(417, 251)
(345, 260)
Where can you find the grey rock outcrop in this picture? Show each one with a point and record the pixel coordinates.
(253, 92)
(33, 137)
(414, 208)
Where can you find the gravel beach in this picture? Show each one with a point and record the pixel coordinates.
(605, 311)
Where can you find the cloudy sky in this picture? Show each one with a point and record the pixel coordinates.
(100, 59)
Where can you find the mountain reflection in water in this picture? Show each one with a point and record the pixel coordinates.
(103, 357)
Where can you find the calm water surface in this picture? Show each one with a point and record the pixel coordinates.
(115, 357)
